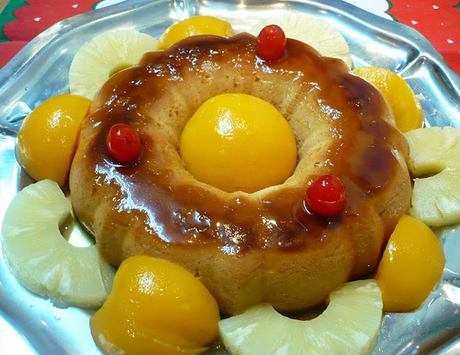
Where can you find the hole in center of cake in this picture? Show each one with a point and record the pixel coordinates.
(239, 142)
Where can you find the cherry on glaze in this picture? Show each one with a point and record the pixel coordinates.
(326, 196)
(123, 142)
(271, 43)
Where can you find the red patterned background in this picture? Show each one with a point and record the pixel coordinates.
(437, 20)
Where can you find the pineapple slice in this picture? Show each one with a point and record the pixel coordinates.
(317, 33)
(42, 260)
(349, 325)
(435, 162)
(105, 55)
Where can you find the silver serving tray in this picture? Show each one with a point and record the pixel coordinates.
(32, 325)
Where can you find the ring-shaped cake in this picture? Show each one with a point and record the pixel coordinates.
(246, 248)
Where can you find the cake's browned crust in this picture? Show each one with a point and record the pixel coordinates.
(245, 248)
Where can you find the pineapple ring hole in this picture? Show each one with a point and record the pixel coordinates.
(308, 314)
(430, 174)
(119, 67)
(72, 231)
(433, 170)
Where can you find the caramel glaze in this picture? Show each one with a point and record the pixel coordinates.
(353, 139)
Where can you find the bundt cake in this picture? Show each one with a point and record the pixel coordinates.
(246, 248)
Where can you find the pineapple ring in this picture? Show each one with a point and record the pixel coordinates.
(96, 61)
(435, 162)
(42, 260)
(349, 325)
(312, 30)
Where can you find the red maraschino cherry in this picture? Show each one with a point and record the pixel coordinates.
(271, 43)
(326, 196)
(123, 142)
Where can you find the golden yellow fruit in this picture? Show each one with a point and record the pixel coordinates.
(411, 265)
(193, 26)
(48, 136)
(156, 308)
(405, 105)
(239, 142)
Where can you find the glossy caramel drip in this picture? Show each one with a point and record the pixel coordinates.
(174, 207)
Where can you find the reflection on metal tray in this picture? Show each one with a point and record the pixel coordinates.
(31, 325)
